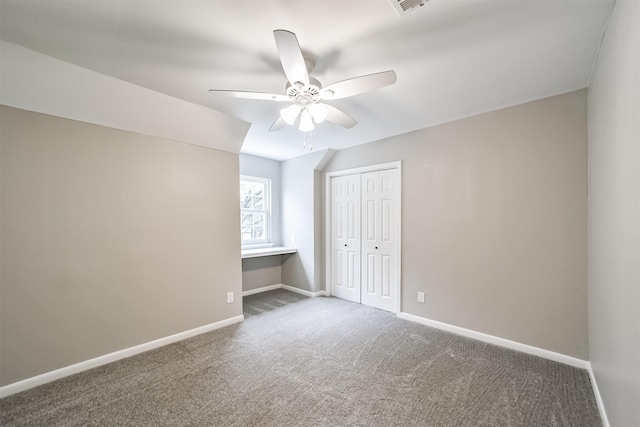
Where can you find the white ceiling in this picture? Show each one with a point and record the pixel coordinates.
(453, 58)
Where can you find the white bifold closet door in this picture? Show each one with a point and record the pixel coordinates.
(379, 261)
(364, 242)
(345, 230)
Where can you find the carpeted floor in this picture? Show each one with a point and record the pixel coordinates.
(297, 361)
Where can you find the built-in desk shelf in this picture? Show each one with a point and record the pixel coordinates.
(255, 253)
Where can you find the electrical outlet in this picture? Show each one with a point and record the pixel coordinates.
(229, 297)
(420, 296)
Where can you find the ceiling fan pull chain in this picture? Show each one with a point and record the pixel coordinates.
(310, 140)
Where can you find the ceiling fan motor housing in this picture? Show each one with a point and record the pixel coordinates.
(304, 94)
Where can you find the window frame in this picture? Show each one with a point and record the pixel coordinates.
(266, 240)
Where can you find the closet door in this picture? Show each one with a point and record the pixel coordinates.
(345, 237)
(379, 239)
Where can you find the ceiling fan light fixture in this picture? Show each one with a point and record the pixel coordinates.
(306, 122)
(319, 112)
(290, 113)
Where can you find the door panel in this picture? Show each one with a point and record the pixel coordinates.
(352, 283)
(379, 244)
(385, 276)
(345, 237)
(385, 233)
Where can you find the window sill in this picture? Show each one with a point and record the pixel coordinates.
(255, 253)
(250, 246)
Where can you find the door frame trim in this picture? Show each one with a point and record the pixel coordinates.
(327, 231)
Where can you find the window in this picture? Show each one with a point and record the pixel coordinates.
(255, 210)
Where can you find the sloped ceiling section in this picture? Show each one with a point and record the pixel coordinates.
(32, 81)
(453, 58)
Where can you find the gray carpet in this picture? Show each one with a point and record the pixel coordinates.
(296, 361)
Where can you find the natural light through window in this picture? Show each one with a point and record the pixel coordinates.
(255, 210)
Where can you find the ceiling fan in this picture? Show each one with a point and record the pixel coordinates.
(305, 94)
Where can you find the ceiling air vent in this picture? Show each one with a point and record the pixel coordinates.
(404, 6)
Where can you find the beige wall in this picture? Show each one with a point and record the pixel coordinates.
(262, 271)
(494, 221)
(109, 239)
(301, 219)
(614, 216)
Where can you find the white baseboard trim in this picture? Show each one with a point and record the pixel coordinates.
(596, 392)
(286, 288)
(491, 339)
(262, 289)
(303, 292)
(47, 377)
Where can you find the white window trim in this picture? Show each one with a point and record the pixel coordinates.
(266, 242)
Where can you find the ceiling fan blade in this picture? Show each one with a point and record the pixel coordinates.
(358, 85)
(277, 125)
(250, 95)
(291, 57)
(339, 118)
